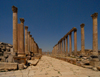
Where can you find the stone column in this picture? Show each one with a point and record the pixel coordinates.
(75, 42)
(21, 50)
(54, 50)
(33, 45)
(26, 40)
(61, 47)
(66, 46)
(70, 44)
(95, 60)
(37, 48)
(82, 40)
(29, 42)
(15, 27)
(58, 48)
(95, 34)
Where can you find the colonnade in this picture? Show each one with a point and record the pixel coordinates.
(19, 48)
(61, 43)
(59, 48)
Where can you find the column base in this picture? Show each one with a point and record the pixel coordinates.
(21, 55)
(94, 62)
(83, 54)
(19, 59)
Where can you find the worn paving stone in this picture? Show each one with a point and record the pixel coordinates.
(51, 67)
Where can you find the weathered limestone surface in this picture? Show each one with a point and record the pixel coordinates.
(21, 50)
(95, 59)
(6, 52)
(29, 42)
(26, 40)
(8, 66)
(40, 51)
(61, 47)
(95, 34)
(33, 62)
(66, 45)
(50, 67)
(15, 28)
(70, 44)
(75, 42)
(82, 40)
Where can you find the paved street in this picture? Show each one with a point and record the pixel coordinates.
(51, 67)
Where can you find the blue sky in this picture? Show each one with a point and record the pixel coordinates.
(50, 20)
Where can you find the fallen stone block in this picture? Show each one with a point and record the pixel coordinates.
(20, 66)
(20, 59)
(86, 62)
(87, 66)
(8, 66)
(98, 67)
(10, 59)
(2, 59)
(33, 62)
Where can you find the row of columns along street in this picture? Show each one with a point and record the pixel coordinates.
(59, 49)
(31, 47)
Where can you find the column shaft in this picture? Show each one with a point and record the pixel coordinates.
(82, 40)
(21, 50)
(61, 47)
(95, 34)
(75, 43)
(15, 27)
(29, 43)
(26, 40)
(70, 44)
(66, 46)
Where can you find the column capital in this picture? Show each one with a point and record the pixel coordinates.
(82, 25)
(70, 33)
(95, 15)
(33, 38)
(26, 27)
(22, 20)
(14, 9)
(29, 32)
(75, 30)
(30, 35)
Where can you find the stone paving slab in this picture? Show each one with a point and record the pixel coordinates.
(51, 67)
